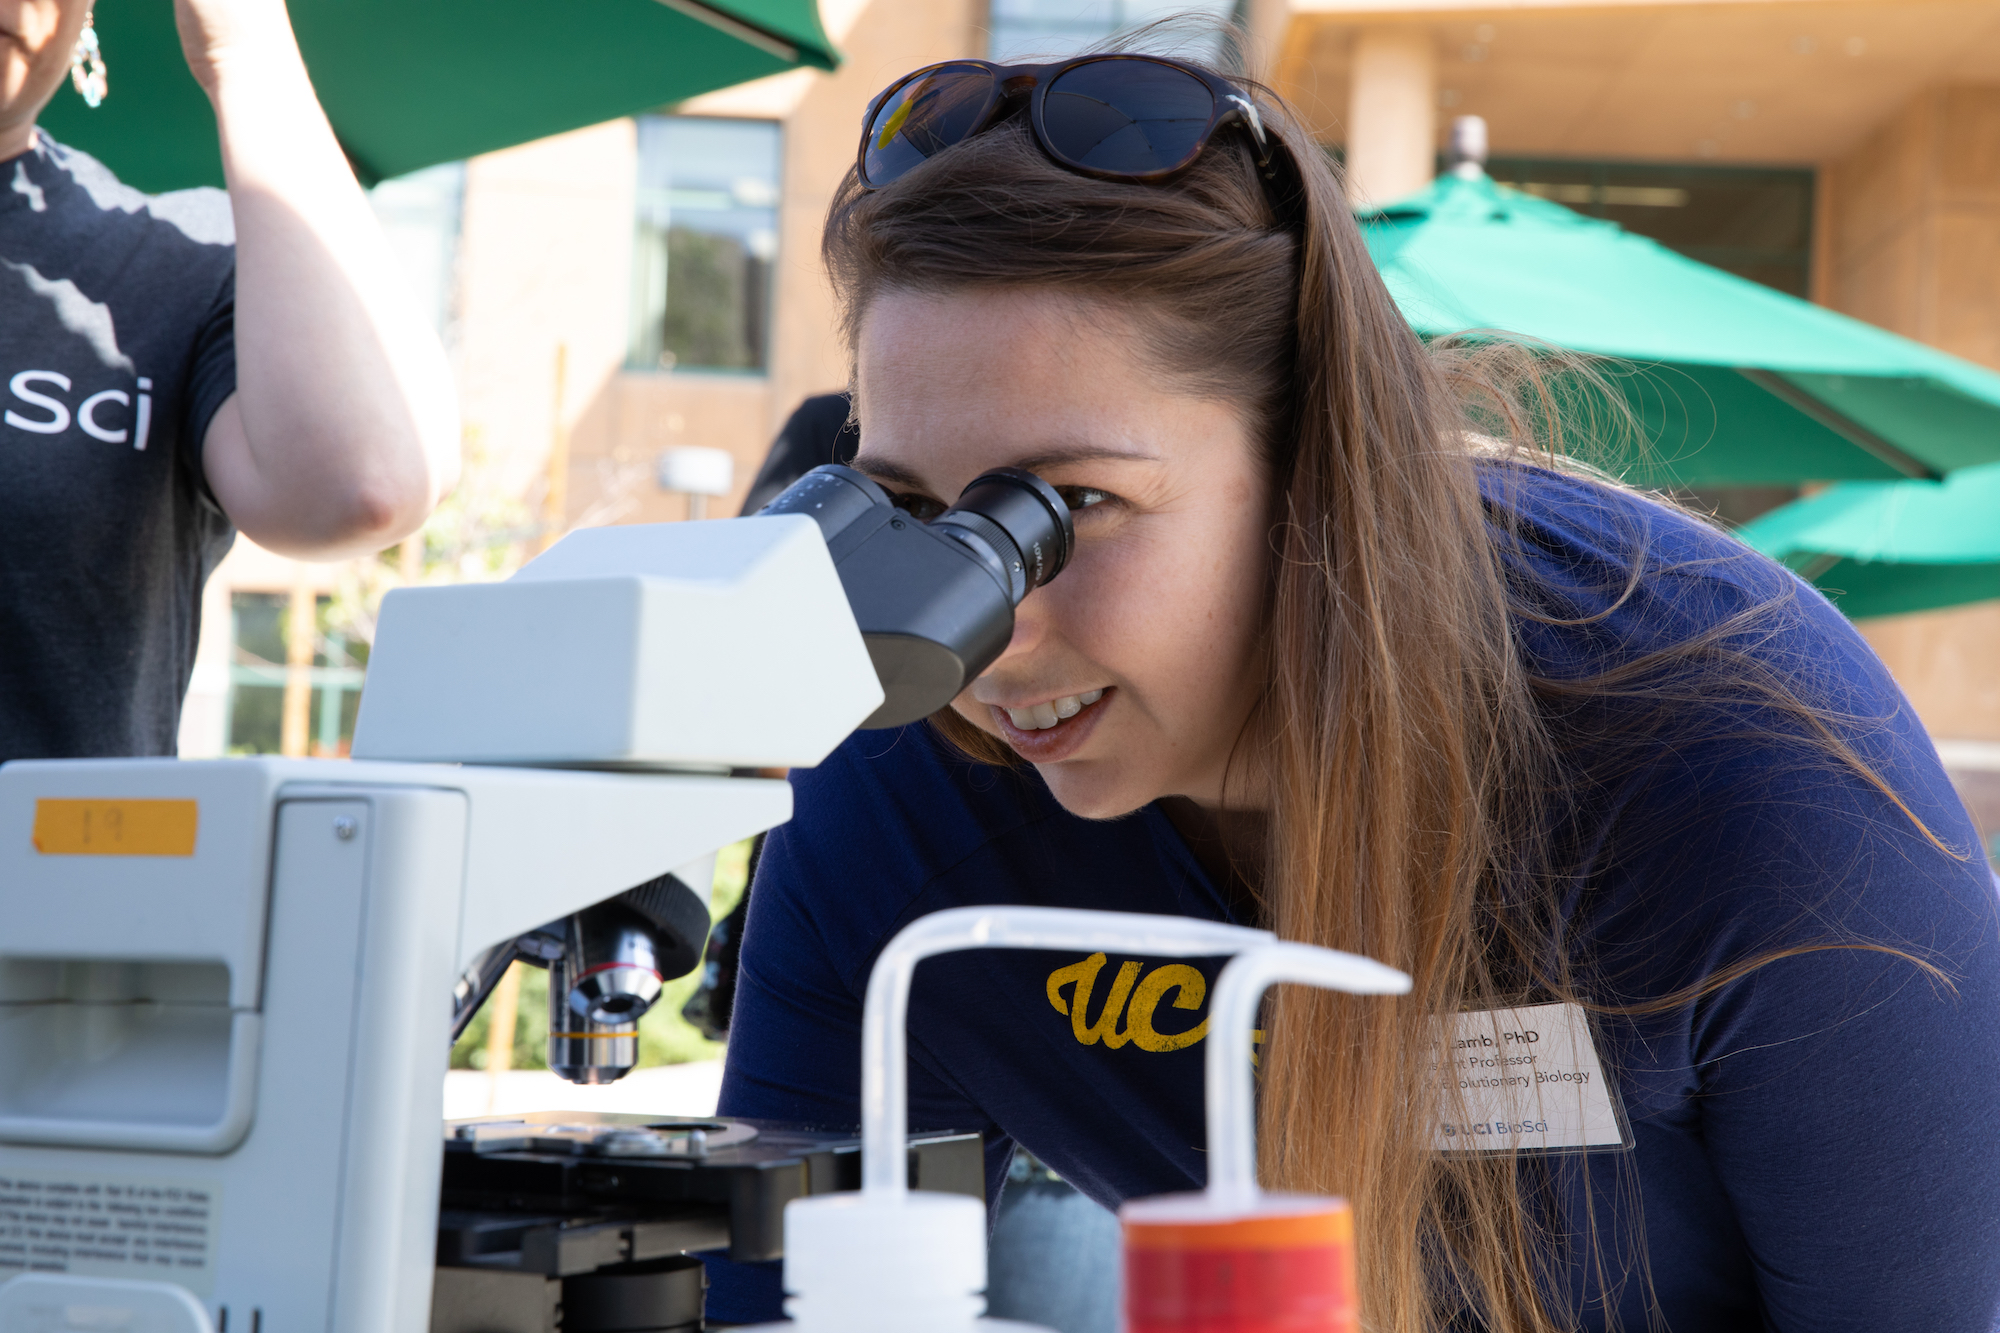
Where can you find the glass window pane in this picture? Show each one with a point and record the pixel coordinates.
(1752, 222)
(1030, 30)
(259, 670)
(706, 240)
(257, 658)
(421, 215)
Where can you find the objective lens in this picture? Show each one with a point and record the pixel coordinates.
(608, 971)
(1021, 522)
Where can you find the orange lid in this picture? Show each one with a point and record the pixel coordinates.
(1275, 1222)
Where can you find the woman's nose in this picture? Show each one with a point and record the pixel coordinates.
(1030, 627)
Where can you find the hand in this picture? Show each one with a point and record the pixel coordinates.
(220, 35)
(36, 38)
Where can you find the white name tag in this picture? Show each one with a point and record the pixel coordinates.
(1529, 1080)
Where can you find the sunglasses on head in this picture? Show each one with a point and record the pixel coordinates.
(1119, 117)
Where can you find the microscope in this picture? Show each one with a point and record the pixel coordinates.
(228, 988)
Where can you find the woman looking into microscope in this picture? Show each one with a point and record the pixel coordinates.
(162, 387)
(1348, 649)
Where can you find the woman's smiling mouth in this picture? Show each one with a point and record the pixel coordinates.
(1042, 716)
(1050, 732)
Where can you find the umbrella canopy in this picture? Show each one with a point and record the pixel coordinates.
(1883, 548)
(1736, 384)
(410, 83)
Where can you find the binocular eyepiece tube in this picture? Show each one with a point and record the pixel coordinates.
(935, 601)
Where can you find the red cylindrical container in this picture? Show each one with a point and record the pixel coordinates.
(1284, 1264)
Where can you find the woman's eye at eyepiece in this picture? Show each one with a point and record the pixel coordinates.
(1082, 497)
(920, 507)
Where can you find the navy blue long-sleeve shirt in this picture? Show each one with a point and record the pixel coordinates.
(1813, 1142)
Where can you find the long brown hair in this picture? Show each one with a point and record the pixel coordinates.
(1407, 752)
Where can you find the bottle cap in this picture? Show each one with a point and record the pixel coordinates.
(1279, 1262)
(866, 1263)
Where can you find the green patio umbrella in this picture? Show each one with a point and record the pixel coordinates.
(1880, 548)
(410, 83)
(1733, 383)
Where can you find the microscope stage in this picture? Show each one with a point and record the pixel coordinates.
(566, 1192)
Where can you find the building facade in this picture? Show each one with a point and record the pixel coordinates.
(649, 285)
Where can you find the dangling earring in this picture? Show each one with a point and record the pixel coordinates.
(86, 66)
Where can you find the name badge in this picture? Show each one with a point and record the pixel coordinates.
(1526, 1080)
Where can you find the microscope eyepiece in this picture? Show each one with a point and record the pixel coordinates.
(1020, 519)
(935, 601)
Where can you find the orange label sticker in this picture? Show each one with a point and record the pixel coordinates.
(115, 828)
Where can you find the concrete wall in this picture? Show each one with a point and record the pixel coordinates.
(1909, 235)
(1909, 232)
(542, 306)
(1912, 231)
(1910, 240)
(1948, 662)
(544, 261)
(630, 416)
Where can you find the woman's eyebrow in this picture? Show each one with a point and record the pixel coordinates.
(1084, 453)
(883, 469)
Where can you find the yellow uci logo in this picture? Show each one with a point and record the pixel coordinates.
(1136, 1001)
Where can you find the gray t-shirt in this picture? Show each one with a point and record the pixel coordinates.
(117, 345)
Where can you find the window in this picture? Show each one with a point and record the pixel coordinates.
(1754, 223)
(260, 632)
(1025, 30)
(420, 216)
(707, 236)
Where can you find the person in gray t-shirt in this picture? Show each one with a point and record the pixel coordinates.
(175, 369)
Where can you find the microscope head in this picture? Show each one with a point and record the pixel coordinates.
(731, 644)
(697, 648)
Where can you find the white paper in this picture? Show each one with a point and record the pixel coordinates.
(1525, 1080)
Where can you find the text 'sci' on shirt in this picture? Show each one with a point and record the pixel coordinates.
(1811, 1141)
(117, 346)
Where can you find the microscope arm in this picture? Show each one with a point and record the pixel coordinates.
(478, 981)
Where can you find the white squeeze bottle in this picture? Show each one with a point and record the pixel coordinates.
(890, 1259)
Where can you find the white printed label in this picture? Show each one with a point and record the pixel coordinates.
(109, 1226)
(1525, 1079)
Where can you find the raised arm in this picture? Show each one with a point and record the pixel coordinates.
(343, 431)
